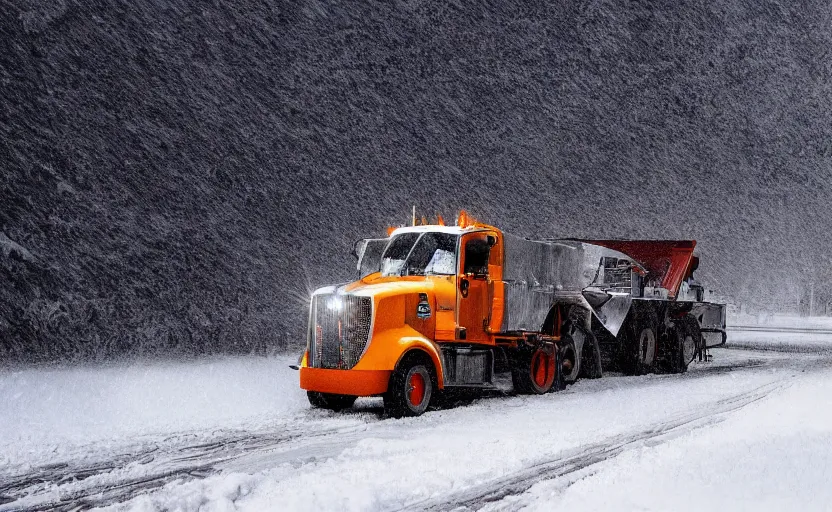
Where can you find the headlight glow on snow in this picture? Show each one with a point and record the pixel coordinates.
(334, 304)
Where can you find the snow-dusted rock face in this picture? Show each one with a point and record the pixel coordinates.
(11, 249)
(186, 174)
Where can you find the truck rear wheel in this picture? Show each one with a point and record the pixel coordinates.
(580, 356)
(570, 362)
(693, 340)
(591, 367)
(534, 371)
(674, 360)
(683, 345)
(410, 390)
(330, 401)
(646, 346)
(639, 346)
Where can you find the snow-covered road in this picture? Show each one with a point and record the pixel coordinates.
(751, 429)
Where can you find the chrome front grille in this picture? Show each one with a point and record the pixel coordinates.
(339, 330)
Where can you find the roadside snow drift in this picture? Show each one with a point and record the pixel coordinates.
(48, 413)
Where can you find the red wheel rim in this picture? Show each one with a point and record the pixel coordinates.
(543, 368)
(417, 389)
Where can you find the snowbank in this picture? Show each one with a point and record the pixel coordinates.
(737, 321)
(781, 333)
(800, 342)
(53, 412)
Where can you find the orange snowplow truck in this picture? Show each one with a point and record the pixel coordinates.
(439, 307)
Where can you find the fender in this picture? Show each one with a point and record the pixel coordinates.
(425, 345)
(388, 347)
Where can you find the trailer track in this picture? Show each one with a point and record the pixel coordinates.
(66, 486)
(493, 491)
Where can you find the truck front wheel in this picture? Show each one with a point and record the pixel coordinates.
(330, 401)
(410, 390)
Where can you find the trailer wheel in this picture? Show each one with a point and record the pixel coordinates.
(591, 367)
(687, 350)
(410, 390)
(674, 360)
(693, 339)
(534, 371)
(640, 347)
(330, 401)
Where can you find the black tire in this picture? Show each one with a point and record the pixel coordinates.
(534, 371)
(410, 390)
(682, 344)
(572, 346)
(591, 367)
(330, 401)
(692, 329)
(640, 345)
(674, 360)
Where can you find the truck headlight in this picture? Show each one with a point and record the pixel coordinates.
(335, 304)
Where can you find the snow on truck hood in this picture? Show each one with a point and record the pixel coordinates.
(384, 286)
(433, 228)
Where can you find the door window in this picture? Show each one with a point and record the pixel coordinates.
(476, 257)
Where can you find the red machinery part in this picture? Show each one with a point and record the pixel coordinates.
(671, 260)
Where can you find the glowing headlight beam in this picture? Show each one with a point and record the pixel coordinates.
(335, 304)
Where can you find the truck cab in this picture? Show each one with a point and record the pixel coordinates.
(421, 288)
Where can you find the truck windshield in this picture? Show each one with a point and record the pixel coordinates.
(392, 262)
(420, 254)
(434, 253)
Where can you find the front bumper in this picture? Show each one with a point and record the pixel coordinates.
(344, 382)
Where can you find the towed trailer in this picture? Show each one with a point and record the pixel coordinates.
(440, 307)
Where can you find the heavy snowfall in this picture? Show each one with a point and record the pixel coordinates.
(750, 429)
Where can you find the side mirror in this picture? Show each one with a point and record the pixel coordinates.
(358, 248)
(463, 287)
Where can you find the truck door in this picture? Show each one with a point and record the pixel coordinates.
(473, 290)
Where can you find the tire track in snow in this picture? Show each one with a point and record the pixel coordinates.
(80, 487)
(574, 460)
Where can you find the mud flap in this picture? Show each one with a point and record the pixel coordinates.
(560, 385)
